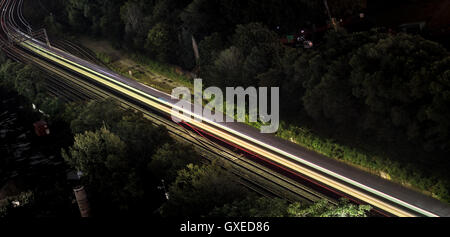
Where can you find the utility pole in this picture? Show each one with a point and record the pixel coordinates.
(332, 20)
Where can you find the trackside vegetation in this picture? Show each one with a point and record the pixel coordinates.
(371, 97)
(122, 159)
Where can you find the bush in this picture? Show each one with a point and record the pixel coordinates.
(398, 172)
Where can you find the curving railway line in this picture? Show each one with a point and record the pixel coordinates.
(279, 157)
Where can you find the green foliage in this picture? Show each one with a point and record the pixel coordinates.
(253, 35)
(324, 209)
(411, 174)
(252, 206)
(161, 68)
(199, 189)
(201, 16)
(254, 51)
(95, 152)
(258, 207)
(101, 16)
(377, 88)
(227, 69)
(209, 49)
(10, 209)
(160, 43)
(391, 83)
(77, 13)
(30, 83)
(26, 80)
(369, 87)
(101, 157)
(8, 74)
(141, 135)
(170, 158)
(143, 138)
(104, 58)
(53, 28)
(116, 159)
(388, 90)
(94, 115)
(129, 23)
(136, 24)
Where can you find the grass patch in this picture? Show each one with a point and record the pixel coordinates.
(104, 58)
(163, 69)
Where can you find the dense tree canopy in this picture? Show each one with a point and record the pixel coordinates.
(254, 51)
(170, 158)
(113, 148)
(95, 152)
(253, 206)
(101, 157)
(159, 42)
(165, 27)
(382, 82)
(199, 189)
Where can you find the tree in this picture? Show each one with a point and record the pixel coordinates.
(132, 15)
(116, 157)
(199, 189)
(255, 51)
(95, 154)
(387, 92)
(227, 69)
(200, 16)
(52, 106)
(331, 98)
(111, 26)
(324, 209)
(142, 137)
(8, 72)
(160, 42)
(94, 115)
(437, 110)
(255, 35)
(395, 87)
(209, 49)
(171, 158)
(53, 27)
(135, 15)
(78, 13)
(100, 16)
(285, 76)
(28, 82)
(101, 157)
(168, 11)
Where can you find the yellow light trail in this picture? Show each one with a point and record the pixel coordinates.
(167, 108)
